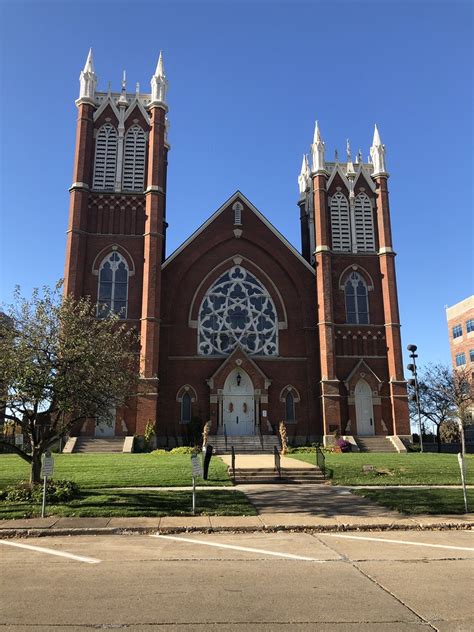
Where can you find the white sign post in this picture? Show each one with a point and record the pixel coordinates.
(197, 471)
(462, 467)
(48, 466)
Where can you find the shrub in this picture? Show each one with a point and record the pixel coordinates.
(57, 491)
(184, 449)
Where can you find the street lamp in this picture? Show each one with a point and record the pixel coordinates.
(414, 383)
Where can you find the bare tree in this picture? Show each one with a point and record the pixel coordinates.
(60, 364)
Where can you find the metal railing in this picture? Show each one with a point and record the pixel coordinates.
(232, 463)
(225, 437)
(320, 460)
(276, 454)
(260, 434)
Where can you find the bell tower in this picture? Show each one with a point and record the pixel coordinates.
(345, 226)
(116, 232)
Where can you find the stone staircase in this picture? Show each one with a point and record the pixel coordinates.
(261, 475)
(245, 444)
(375, 444)
(95, 444)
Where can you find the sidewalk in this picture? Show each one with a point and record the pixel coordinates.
(280, 507)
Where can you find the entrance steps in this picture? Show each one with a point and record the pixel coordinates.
(375, 444)
(244, 444)
(95, 444)
(261, 475)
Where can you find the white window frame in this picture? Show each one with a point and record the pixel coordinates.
(114, 264)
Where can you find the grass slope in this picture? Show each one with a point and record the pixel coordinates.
(394, 469)
(420, 501)
(117, 470)
(120, 503)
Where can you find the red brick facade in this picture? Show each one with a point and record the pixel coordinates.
(321, 358)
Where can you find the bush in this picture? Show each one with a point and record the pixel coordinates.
(184, 449)
(57, 491)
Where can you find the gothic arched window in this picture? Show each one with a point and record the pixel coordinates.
(237, 310)
(289, 407)
(105, 163)
(186, 397)
(364, 224)
(134, 159)
(357, 300)
(186, 408)
(340, 223)
(113, 286)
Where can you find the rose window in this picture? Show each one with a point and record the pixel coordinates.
(237, 311)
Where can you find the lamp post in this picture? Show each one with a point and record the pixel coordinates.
(414, 382)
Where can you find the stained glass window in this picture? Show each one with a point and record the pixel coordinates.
(186, 407)
(113, 286)
(290, 406)
(357, 304)
(237, 310)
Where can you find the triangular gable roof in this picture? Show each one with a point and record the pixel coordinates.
(366, 367)
(237, 353)
(238, 196)
(363, 174)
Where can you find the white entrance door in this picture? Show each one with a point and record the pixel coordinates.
(238, 408)
(364, 409)
(105, 425)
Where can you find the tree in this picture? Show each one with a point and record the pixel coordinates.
(445, 396)
(60, 364)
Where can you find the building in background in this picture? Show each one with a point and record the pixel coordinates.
(237, 327)
(460, 319)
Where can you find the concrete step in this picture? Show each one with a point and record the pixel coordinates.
(101, 445)
(260, 475)
(244, 444)
(375, 444)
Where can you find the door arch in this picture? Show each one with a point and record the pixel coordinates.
(238, 404)
(364, 409)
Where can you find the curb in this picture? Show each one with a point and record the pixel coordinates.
(39, 533)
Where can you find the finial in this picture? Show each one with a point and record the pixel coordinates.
(336, 155)
(159, 84)
(359, 158)
(109, 89)
(348, 151)
(303, 178)
(377, 153)
(317, 150)
(87, 80)
(137, 88)
(124, 81)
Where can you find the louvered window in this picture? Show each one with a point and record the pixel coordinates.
(105, 158)
(340, 223)
(364, 224)
(134, 159)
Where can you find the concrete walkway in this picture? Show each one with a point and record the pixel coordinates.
(255, 461)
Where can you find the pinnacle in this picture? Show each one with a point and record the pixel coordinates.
(89, 65)
(376, 141)
(317, 133)
(160, 69)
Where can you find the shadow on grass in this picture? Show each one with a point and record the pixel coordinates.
(124, 503)
(420, 501)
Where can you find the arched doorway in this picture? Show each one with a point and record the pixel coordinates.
(364, 409)
(238, 404)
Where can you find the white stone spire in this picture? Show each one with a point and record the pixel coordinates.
(350, 166)
(159, 84)
(303, 178)
(377, 154)
(317, 149)
(88, 79)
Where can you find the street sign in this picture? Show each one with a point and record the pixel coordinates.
(196, 465)
(48, 465)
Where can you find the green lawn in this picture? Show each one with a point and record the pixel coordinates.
(393, 469)
(420, 501)
(120, 503)
(117, 470)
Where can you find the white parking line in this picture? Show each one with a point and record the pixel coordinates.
(41, 549)
(239, 548)
(436, 546)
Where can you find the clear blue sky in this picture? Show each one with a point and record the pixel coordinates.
(246, 82)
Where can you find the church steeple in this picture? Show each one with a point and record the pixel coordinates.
(87, 80)
(377, 154)
(159, 84)
(303, 178)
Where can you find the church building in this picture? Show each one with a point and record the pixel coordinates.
(237, 327)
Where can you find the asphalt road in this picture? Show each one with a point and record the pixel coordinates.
(372, 581)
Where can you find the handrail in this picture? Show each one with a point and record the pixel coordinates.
(232, 463)
(276, 454)
(320, 460)
(225, 437)
(260, 434)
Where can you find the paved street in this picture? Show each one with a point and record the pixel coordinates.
(372, 581)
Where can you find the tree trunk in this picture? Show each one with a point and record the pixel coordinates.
(35, 475)
(438, 436)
